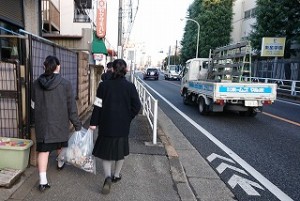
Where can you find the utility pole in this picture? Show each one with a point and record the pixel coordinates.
(120, 48)
(169, 56)
(175, 53)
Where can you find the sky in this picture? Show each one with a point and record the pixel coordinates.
(157, 23)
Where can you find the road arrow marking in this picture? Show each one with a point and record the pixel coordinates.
(223, 167)
(245, 184)
(213, 156)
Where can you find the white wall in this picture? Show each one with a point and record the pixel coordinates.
(67, 26)
(31, 16)
(242, 27)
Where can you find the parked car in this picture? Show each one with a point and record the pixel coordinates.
(151, 73)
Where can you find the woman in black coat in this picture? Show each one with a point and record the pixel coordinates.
(117, 103)
(53, 107)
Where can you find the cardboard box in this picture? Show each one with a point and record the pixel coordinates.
(14, 153)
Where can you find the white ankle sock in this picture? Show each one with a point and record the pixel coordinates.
(43, 178)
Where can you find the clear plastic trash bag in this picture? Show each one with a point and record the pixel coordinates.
(79, 151)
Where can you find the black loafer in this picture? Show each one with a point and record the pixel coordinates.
(106, 186)
(43, 187)
(116, 179)
(60, 168)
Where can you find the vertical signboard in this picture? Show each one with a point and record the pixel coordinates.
(272, 47)
(101, 18)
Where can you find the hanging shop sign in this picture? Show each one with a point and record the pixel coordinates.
(101, 18)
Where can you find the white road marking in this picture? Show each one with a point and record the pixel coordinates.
(223, 166)
(245, 184)
(259, 177)
(213, 156)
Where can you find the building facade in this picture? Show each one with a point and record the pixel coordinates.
(243, 18)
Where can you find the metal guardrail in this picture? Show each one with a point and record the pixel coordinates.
(288, 87)
(150, 105)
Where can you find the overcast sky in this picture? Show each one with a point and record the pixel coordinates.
(157, 23)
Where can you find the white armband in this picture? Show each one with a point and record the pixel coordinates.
(32, 104)
(98, 102)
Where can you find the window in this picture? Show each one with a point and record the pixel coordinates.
(253, 12)
(80, 14)
(250, 13)
(247, 14)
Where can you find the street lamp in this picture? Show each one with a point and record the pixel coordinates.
(197, 35)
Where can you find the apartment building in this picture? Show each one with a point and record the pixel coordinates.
(71, 23)
(243, 18)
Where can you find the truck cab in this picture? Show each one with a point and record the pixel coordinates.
(195, 69)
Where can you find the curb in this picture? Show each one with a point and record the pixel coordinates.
(194, 178)
(177, 171)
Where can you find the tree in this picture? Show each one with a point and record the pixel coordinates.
(190, 32)
(214, 17)
(277, 18)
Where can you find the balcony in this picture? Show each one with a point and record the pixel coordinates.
(50, 17)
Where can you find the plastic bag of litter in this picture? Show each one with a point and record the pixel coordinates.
(79, 151)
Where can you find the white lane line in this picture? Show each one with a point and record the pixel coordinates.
(259, 177)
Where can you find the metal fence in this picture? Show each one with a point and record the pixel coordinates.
(277, 69)
(285, 73)
(16, 78)
(150, 106)
(41, 48)
(11, 124)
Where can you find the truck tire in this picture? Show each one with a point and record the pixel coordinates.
(203, 107)
(250, 113)
(185, 98)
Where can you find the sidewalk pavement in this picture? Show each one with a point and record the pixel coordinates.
(171, 170)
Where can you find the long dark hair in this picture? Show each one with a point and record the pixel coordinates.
(50, 63)
(119, 66)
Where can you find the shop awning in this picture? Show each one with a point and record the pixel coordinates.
(98, 46)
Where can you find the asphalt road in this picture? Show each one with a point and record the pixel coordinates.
(257, 157)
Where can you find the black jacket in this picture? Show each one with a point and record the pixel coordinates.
(106, 76)
(117, 103)
(54, 107)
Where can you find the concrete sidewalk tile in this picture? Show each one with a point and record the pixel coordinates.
(211, 189)
(195, 165)
(177, 170)
(185, 192)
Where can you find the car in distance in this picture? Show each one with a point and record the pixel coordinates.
(151, 73)
(173, 72)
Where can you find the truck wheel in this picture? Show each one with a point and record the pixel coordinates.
(250, 113)
(203, 107)
(185, 96)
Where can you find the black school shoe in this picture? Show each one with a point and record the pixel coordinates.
(106, 186)
(43, 187)
(116, 179)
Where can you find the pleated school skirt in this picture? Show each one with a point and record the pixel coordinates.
(111, 148)
(45, 147)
